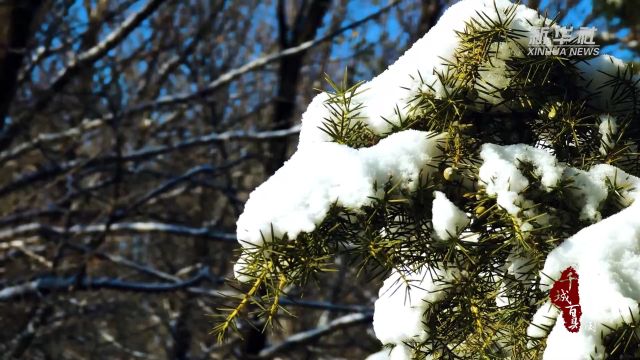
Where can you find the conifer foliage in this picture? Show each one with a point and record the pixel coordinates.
(470, 175)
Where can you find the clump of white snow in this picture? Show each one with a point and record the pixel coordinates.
(591, 188)
(606, 256)
(543, 321)
(608, 129)
(403, 300)
(501, 176)
(299, 195)
(492, 75)
(595, 73)
(448, 220)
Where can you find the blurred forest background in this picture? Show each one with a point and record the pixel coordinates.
(131, 133)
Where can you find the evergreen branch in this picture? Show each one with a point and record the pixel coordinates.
(230, 319)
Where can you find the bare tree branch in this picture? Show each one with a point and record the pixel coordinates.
(254, 65)
(47, 284)
(76, 66)
(122, 227)
(96, 52)
(147, 152)
(314, 334)
(323, 305)
(43, 138)
(24, 338)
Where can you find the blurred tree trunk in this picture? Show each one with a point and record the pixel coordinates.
(429, 14)
(306, 23)
(16, 18)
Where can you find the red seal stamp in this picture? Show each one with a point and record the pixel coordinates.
(564, 294)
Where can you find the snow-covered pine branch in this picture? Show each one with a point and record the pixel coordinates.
(473, 174)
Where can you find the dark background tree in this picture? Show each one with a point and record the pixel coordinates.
(131, 133)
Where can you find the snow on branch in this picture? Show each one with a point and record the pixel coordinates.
(498, 157)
